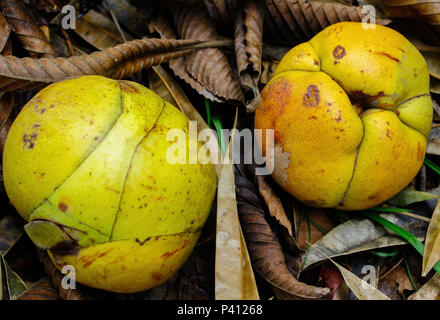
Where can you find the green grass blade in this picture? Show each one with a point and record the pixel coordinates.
(384, 254)
(221, 138)
(408, 236)
(208, 112)
(431, 165)
(390, 209)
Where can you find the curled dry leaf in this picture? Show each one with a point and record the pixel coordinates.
(428, 10)
(429, 291)
(264, 248)
(248, 47)
(41, 290)
(210, 67)
(274, 204)
(361, 234)
(27, 31)
(431, 254)
(117, 62)
(395, 282)
(298, 20)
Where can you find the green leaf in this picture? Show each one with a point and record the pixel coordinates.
(208, 112)
(221, 138)
(15, 285)
(408, 196)
(384, 254)
(416, 243)
(389, 209)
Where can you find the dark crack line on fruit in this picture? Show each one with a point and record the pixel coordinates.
(129, 168)
(409, 99)
(81, 163)
(341, 202)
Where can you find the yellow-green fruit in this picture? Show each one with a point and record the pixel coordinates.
(351, 113)
(85, 163)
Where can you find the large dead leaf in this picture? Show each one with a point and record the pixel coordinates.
(429, 291)
(26, 29)
(361, 234)
(117, 62)
(431, 254)
(264, 248)
(299, 20)
(210, 67)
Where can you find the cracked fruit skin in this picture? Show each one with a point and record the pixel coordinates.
(85, 164)
(351, 113)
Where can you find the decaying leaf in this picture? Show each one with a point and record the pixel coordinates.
(5, 31)
(264, 248)
(248, 47)
(298, 20)
(27, 31)
(210, 67)
(41, 290)
(273, 202)
(117, 62)
(433, 61)
(222, 13)
(16, 286)
(361, 234)
(408, 196)
(429, 291)
(431, 254)
(395, 282)
(428, 10)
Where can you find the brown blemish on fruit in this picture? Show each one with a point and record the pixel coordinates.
(338, 52)
(311, 97)
(89, 259)
(128, 87)
(29, 140)
(62, 206)
(156, 276)
(388, 56)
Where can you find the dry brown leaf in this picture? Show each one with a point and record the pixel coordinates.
(5, 31)
(210, 67)
(264, 248)
(41, 290)
(274, 204)
(27, 31)
(299, 20)
(117, 62)
(429, 291)
(248, 42)
(431, 254)
(428, 10)
(395, 282)
(98, 30)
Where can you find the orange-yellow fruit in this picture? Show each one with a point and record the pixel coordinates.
(351, 112)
